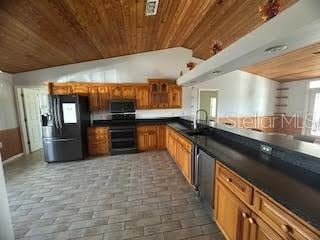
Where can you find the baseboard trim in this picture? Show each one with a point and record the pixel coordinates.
(11, 159)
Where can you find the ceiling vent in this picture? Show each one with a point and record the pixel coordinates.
(151, 7)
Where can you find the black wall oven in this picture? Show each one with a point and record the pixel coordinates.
(123, 129)
(123, 139)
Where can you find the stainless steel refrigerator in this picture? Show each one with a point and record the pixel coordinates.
(64, 128)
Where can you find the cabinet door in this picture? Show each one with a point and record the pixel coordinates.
(259, 230)
(142, 138)
(186, 162)
(162, 136)
(142, 97)
(231, 214)
(115, 92)
(175, 96)
(128, 92)
(93, 99)
(60, 89)
(80, 89)
(152, 138)
(103, 98)
(98, 141)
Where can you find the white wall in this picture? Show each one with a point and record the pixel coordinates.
(8, 114)
(297, 97)
(132, 68)
(240, 94)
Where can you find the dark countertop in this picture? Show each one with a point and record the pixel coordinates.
(271, 139)
(280, 180)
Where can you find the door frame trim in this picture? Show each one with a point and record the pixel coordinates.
(208, 89)
(21, 114)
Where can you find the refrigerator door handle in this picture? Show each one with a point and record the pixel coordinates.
(55, 113)
(59, 140)
(59, 113)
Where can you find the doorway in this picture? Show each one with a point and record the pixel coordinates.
(208, 101)
(31, 104)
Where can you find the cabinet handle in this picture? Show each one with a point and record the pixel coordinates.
(285, 228)
(244, 215)
(251, 220)
(228, 179)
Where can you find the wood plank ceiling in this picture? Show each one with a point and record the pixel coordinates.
(300, 64)
(39, 34)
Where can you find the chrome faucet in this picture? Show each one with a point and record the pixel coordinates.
(195, 121)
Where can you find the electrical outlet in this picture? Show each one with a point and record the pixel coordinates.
(266, 149)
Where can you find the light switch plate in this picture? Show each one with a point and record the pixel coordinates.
(0, 145)
(266, 149)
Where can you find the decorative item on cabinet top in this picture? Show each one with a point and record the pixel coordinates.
(156, 94)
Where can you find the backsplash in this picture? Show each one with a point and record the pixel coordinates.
(156, 113)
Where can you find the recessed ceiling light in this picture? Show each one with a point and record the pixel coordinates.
(151, 7)
(216, 72)
(277, 48)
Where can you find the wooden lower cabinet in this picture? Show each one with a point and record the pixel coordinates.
(151, 137)
(147, 138)
(262, 219)
(180, 150)
(231, 214)
(259, 230)
(98, 141)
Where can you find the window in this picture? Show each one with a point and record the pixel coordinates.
(315, 128)
(314, 84)
(213, 107)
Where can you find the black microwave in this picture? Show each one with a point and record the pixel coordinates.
(122, 106)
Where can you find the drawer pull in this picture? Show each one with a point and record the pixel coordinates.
(228, 179)
(251, 220)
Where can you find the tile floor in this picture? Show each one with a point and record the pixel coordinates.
(136, 196)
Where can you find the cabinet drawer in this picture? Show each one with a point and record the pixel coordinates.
(238, 186)
(282, 222)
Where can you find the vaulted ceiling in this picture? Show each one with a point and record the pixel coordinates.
(303, 63)
(37, 34)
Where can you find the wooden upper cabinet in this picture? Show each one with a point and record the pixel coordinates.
(116, 92)
(94, 98)
(159, 93)
(175, 96)
(231, 214)
(128, 92)
(103, 97)
(80, 89)
(142, 97)
(60, 88)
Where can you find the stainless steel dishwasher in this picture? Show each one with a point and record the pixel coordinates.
(205, 172)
